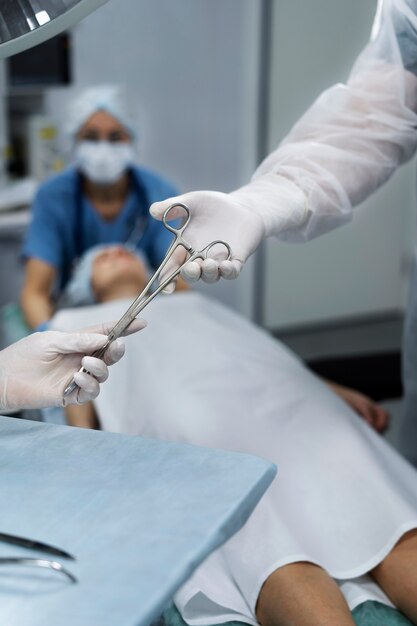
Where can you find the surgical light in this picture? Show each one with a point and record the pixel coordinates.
(25, 23)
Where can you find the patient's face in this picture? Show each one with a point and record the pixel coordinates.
(117, 270)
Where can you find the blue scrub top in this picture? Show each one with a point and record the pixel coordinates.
(65, 224)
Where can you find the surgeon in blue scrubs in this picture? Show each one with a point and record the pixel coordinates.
(103, 198)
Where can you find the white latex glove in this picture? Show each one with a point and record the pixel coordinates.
(241, 218)
(35, 371)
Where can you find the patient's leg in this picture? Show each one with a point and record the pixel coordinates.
(397, 575)
(302, 594)
(81, 415)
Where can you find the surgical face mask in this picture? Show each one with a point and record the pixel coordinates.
(104, 162)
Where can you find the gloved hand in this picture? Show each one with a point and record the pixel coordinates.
(267, 205)
(35, 371)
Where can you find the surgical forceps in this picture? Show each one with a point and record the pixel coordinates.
(147, 295)
(36, 562)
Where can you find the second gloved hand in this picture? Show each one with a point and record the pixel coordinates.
(35, 371)
(267, 205)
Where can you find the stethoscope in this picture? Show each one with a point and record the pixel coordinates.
(135, 230)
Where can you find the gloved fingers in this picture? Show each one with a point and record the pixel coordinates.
(230, 269)
(195, 270)
(89, 388)
(97, 372)
(191, 272)
(69, 343)
(114, 352)
(170, 288)
(210, 271)
(90, 340)
(95, 367)
(105, 328)
(135, 326)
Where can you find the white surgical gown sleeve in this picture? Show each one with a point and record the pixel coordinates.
(356, 134)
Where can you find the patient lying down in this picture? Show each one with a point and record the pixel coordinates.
(337, 526)
(116, 273)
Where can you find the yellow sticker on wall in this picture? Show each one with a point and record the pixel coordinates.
(47, 133)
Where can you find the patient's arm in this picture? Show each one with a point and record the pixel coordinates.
(82, 416)
(374, 414)
(36, 292)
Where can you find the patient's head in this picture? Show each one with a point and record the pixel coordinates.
(117, 272)
(106, 272)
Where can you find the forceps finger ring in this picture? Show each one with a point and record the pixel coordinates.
(218, 242)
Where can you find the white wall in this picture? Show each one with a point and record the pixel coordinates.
(359, 270)
(191, 69)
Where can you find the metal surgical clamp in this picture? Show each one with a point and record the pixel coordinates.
(36, 562)
(145, 297)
